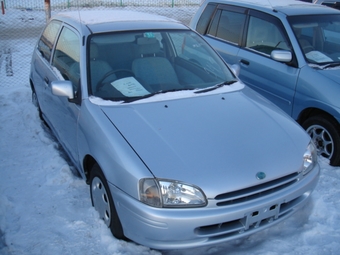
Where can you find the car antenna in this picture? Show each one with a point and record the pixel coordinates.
(80, 21)
(271, 6)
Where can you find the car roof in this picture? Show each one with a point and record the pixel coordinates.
(288, 7)
(117, 20)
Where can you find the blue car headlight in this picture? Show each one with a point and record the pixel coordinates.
(170, 193)
(309, 158)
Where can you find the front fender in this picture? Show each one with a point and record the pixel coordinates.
(99, 138)
(316, 91)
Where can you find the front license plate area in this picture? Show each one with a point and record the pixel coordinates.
(254, 219)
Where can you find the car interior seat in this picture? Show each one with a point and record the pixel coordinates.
(98, 68)
(149, 68)
(304, 43)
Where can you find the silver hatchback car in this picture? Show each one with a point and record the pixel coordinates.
(177, 151)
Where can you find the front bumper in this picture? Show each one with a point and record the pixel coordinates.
(171, 228)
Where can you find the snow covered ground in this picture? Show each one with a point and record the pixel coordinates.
(45, 207)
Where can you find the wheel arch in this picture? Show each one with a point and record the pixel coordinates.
(32, 85)
(310, 112)
(88, 163)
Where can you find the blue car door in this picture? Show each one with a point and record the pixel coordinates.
(274, 80)
(247, 37)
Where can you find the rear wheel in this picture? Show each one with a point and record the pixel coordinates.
(325, 133)
(102, 201)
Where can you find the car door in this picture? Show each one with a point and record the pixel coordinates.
(275, 80)
(62, 112)
(247, 37)
(41, 68)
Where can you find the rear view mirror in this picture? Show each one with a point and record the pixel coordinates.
(236, 69)
(284, 56)
(62, 88)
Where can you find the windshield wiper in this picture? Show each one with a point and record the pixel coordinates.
(132, 99)
(334, 64)
(216, 86)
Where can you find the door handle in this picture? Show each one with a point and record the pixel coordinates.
(47, 81)
(244, 62)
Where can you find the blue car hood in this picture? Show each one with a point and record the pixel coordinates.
(217, 142)
(332, 73)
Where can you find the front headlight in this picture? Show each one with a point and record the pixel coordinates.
(170, 193)
(309, 158)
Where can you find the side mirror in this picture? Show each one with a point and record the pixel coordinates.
(62, 88)
(283, 56)
(236, 69)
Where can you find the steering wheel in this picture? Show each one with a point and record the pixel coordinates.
(307, 48)
(100, 82)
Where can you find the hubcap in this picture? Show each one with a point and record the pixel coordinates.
(322, 140)
(101, 200)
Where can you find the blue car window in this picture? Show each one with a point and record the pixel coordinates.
(265, 36)
(228, 25)
(319, 37)
(205, 18)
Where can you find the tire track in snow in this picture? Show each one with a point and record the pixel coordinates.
(9, 70)
(6, 55)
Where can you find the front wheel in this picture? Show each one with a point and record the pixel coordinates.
(325, 133)
(103, 203)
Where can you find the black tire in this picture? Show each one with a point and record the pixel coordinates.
(325, 133)
(102, 201)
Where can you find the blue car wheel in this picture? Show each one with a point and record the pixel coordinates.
(325, 133)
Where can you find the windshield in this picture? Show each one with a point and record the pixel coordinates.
(319, 38)
(131, 65)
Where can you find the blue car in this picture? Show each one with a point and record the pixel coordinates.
(289, 51)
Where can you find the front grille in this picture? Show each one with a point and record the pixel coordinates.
(252, 221)
(242, 222)
(254, 192)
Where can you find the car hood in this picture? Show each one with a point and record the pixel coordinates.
(331, 73)
(217, 142)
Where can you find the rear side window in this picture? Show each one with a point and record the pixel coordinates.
(48, 38)
(204, 20)
(228, 23)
